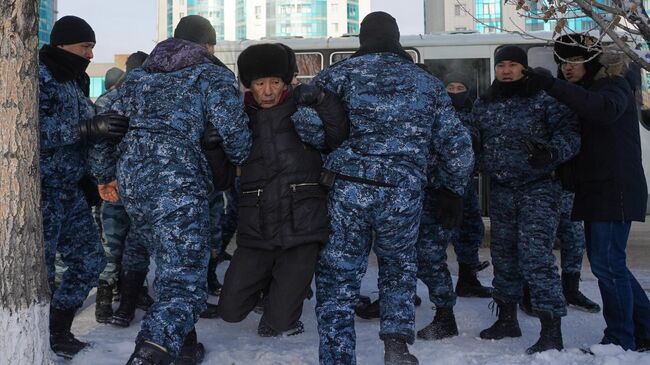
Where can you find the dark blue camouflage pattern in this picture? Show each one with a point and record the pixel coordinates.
(356, 211)
(572, 237)
(163, 177)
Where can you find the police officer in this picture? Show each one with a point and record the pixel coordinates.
(184, 107)
(400, 116)
(68, 126)
(525, 135)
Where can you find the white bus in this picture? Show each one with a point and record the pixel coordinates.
(469, 53)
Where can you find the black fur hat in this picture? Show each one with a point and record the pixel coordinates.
(564, 51)
(293, 65)
(264, 60)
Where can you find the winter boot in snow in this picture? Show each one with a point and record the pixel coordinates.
(506, 324)
(192, 351)
(570, 287)
(211, 311)
(442, 326)
(396, 352)
(525, 304)
(264, 330)
(131, 286)
(62, 341)
(550, 337)
(104, 302)
(145, 301)
(468, 284)
(214, 286)
(149, 353)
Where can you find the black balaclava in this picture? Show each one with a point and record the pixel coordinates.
(379, 33)
(459, 100)
(197, 29)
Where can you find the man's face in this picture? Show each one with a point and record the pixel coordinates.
(267, 91)
(83, 49)
(574, 70)
(509, 71)
(455, 88)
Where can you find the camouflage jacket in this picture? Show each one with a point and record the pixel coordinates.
(505, 124)
(401, 119)
(61, 106)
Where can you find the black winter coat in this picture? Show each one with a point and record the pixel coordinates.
(610, 182)
(281, 204)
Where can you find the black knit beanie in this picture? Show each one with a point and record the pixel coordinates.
(70, 30)
(513, 54)
(378, 27)
(135, 60)
(197, 29)
(264, 60)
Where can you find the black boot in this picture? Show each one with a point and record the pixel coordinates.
(506, 325)
(468, 284)
(396, 352)
(442, 326)
(525, 304)
(62, 341)
(131, 286)
(104, 302)
(370, 311)
(211, 311)
(570, 287)
(144, 301)
(264, 330)
(149, 353)
(550, 337)
(214, 286)
(192, 351)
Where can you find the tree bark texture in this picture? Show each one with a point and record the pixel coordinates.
(24, 293)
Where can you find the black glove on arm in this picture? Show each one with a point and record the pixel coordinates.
(308, 95)
(103, 126)
(449, 208)
(536, 81)
(335, 120)
(539, 154)
(223, 171)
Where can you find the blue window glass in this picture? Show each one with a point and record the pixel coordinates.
(96, 86)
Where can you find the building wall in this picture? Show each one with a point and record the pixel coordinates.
(47, 12)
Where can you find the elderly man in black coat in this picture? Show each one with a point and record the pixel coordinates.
(610, 185)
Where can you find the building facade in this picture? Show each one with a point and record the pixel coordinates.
(489, 16)
(47, 16)
(257, 19)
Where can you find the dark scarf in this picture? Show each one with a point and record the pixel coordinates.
(506, 90)
(65, 66)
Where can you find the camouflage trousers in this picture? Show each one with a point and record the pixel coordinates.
(524, 221)
(572, 237)
(469, 239)
(356, 211)
(59, 266)
(68, 229)
(432, 244)
(178, 240)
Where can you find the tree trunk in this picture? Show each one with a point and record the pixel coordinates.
(24, 295)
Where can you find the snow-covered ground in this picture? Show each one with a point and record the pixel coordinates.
(239, 344)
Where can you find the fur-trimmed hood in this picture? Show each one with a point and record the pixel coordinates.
(614, 62)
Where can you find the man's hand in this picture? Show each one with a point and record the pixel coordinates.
(211, 139)
(539, 154)
(108, 192)
(308, 95)
(536, 81)
(112, 126)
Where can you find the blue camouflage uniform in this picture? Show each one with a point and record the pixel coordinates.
(121, 245)
(164, 179)
(399, 116)
(68, 226)
(525, 202)
(572, 237)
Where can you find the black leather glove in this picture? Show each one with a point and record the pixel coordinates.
(536, 80)
(449, 208)
(308, 95)
(104, 126)
(211, 139)
(539, 154)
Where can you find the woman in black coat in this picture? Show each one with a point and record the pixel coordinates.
(610, 185)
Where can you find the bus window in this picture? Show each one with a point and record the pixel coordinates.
(309, 64)
(477, 71)
(339, 56)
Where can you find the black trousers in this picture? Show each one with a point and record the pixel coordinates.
(284, 275)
